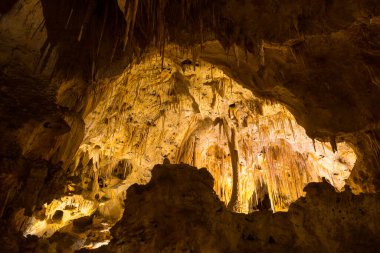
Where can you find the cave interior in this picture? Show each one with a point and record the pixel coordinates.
(190, 126)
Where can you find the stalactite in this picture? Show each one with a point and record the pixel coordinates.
(114, 49)
(89, 11)
(236, 51)
(102, 29)
(130, 17)
(262, 54)
(69, 18)
(375, 147)
(333, 144)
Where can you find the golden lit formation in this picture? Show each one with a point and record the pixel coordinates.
(191, 112)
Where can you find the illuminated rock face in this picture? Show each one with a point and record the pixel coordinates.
(71, 208)
(197, 115)
(258, 154)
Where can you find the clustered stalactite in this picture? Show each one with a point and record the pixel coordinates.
(244, 142)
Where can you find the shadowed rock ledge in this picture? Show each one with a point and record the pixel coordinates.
(178, 211)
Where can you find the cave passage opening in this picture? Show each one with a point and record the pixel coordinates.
(180, 111)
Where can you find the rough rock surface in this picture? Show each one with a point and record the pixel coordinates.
(178, 211)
